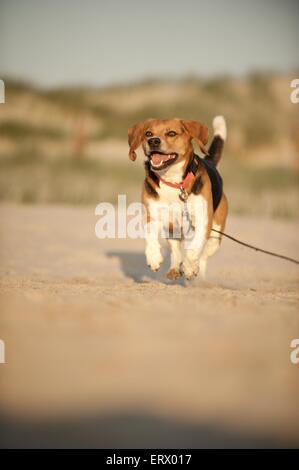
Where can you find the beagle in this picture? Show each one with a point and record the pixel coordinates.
(177, 178)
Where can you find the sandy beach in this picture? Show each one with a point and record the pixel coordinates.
(101, 352)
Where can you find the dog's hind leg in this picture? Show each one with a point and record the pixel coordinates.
(214, 240)
(210, 248)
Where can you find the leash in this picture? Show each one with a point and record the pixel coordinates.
(190, 177)
(271, 253)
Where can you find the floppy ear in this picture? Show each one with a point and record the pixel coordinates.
(135, 137)
(199, 132)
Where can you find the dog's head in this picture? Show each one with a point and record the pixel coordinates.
(166, 141)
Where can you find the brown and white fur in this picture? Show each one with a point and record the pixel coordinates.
(167, 144)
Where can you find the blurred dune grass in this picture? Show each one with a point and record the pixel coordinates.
(69, 145)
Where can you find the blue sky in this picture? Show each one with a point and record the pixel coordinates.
(102, 42)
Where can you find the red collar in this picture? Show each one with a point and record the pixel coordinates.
(189, 178)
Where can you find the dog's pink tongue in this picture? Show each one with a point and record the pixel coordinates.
(157, 158)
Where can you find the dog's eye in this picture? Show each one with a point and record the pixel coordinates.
(171, 133)
(148, 134)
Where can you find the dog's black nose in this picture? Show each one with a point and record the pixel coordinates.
(154, 142)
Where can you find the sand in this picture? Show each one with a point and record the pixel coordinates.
(101, 352)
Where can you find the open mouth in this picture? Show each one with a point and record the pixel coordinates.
(161, 160)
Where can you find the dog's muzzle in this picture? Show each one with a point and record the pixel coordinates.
(159, 160)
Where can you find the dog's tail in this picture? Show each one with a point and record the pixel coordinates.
(216, 147)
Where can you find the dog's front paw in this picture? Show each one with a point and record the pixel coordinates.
(190, 269)
(154, 258)
(173, 274)
(189, 274)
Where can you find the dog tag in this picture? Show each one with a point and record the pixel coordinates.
(183, 194)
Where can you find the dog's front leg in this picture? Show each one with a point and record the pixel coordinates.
(193, 247)
(190, 266)
(175, 259)
(152, 244)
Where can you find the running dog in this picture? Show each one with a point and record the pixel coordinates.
(175, 175)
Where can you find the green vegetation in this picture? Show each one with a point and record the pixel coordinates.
(50, 140)
(68, 180)
(33, 179)
(20, 130)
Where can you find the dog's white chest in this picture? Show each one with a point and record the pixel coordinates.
(169, 195)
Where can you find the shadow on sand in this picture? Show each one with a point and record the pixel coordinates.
(133, 266)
